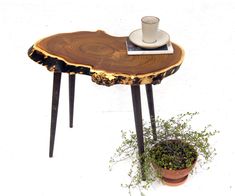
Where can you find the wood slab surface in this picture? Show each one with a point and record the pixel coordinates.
(104, 58)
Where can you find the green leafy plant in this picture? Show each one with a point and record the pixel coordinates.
(177, 146)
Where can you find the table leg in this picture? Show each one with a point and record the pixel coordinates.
(71, 98)
(135, 90)
(54, 110)
(149, 92)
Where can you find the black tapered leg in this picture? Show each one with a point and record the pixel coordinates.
(135, 90)
(71, 98)
(54, 109)
(149, 92)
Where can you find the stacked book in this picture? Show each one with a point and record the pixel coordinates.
(132, 49)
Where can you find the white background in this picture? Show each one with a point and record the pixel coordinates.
(205, 83)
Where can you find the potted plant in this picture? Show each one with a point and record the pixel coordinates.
(177, 150)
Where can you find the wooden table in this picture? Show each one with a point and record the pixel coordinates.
(105, 59)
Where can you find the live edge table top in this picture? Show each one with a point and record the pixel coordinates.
(104, 58)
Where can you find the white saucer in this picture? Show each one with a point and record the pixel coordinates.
(136, 38)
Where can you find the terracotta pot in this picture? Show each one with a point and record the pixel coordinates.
(174, 177)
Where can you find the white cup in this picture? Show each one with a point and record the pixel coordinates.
(149, 28)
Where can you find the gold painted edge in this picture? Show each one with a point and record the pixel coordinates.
(46, 54)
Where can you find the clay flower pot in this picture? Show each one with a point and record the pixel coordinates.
(178, 176)
(173, 177)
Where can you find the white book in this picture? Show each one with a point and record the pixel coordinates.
(132, 49)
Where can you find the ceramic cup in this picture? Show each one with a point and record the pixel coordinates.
(149, 28)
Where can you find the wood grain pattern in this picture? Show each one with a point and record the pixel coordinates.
(104, 58)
